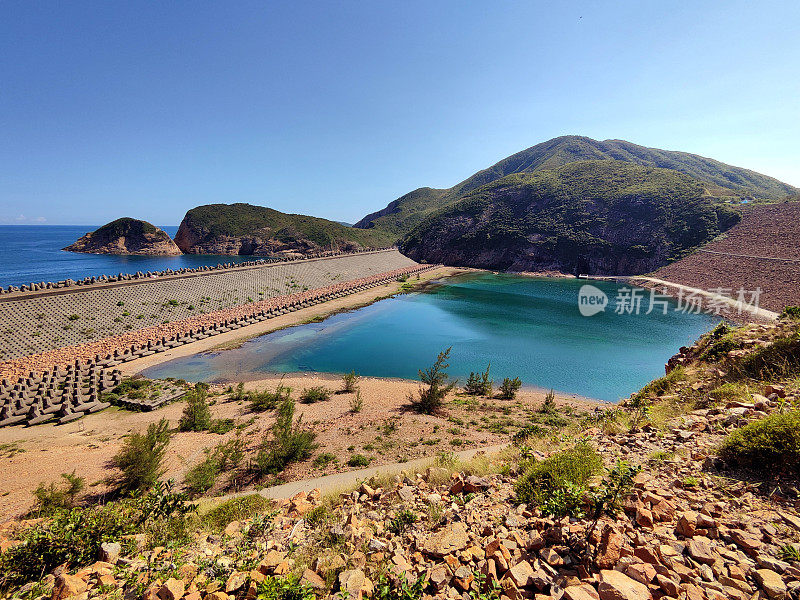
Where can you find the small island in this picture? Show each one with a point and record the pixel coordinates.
(127, 236)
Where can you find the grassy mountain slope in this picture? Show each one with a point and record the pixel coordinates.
(720, 179)
(247, 229)
(590, 216)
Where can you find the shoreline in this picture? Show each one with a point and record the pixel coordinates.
(233, 339)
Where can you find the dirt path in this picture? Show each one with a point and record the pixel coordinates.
(338, 482)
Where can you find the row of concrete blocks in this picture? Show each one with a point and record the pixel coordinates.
(22, 404)
(102, 279)
(53, 402)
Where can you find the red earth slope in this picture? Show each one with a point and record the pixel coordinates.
(771, 231)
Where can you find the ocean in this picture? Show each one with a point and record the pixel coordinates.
(33, 253)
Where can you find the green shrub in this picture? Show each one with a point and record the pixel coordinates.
(359, 460)
(315, 394)
(561, 472)
(236, 509)
(549, 404)
(74, 536)
(660, 386)
(141, 458)
(509, 388)
(356, 402)
(766, 444)
(350, 382)
(399, 589)
(230, 454)
(288, 442)
(70, 536)
(479, 384)
(402, 521)
(267, 400)
(729, 391)
(201, 477)
(324, 459)
(51, 498)
(285, 588)
(196, 414)
(221, 426)
(790, 312)
(779, 359)
(430, 399)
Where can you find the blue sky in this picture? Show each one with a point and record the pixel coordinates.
(147, 109)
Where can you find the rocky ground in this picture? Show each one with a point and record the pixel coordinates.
(688, 526)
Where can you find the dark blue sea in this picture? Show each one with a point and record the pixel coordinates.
(32, 253)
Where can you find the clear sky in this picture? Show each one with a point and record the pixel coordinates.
(146, 109)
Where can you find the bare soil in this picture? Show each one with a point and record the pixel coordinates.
(384, 431)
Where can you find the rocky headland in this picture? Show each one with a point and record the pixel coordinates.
(126, 236)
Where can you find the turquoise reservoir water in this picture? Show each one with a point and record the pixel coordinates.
(526, 327)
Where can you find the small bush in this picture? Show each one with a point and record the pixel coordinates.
(350, 382)
(430, 399)
(289, 442)
(790, 312)
(141, 457)
(660, 386)
(196, 414)
(402, 521)
(359, 460)
(285, 588)
(315, 394)
(323, 460)
(51, 498)
(74, 536)
(729, 391)
(558, 474)
(267, 400)
(401, 589)
(221, 426)
(356, 403)
(779, 359)
(236, 509)
(766, 444)
(479, 384)
(201, 477)
(509, 388)
(549, 404)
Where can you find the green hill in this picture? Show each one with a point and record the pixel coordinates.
(597, 217)
(257, 230)
(719, 179)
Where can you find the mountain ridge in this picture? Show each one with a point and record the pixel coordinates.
(595, 217)
(722, 180)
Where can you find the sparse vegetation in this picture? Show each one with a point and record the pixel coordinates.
(429, 400)
(52, 498)
(288, 442)
(764, 445)
(479, 384)
(141, 458)
(350, 382)
(268, 400)
(509, 388)
(559, 481)
(196, 414)
(315, 394)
